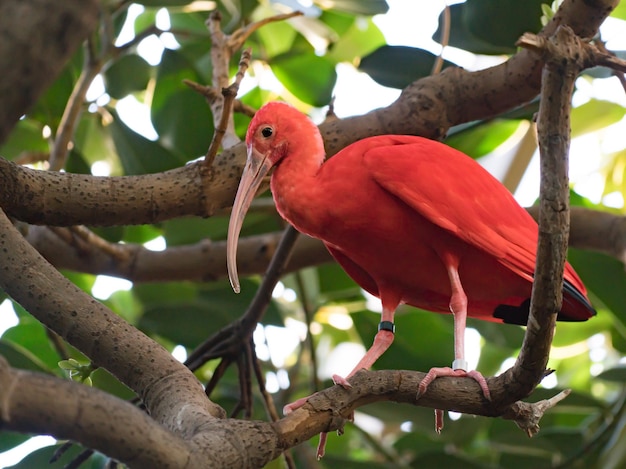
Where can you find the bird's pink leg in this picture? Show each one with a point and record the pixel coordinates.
(382, 340)
(458, 307)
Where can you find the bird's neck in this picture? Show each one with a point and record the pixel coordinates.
(294, 185)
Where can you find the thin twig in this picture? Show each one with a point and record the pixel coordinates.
(445, 39)
(236, 40)
(258, 373)
(217, 374)
(59, 345)
(65, 132)
(229, 94)
(618, 74)
(308, 317)
(85, 240)
(229, 338)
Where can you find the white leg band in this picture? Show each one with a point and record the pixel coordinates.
(459, 364)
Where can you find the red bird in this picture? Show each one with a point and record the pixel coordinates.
(411, 220)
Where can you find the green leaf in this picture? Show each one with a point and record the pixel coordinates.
(491, 26)
(613, 455)
(10, 440)
(139, 155)
(514, 18)
(482, 139)
(93, 141)
(502, 335)
(334, 283)
(274, 38)
(358, 7)
(187, 315)
(184, 124)
(146, 19)
(126, 75)
(620, 11)
(617, 374)
(439, 460)
(41, 458)
(20, 357)
(26, 136)
(141, 233)
(462, 38)
(163, 3)
(51, 105)
(422, 340)
(362, 38)
(189, 28)
(29, 337)
(180, 116)
(398, 66)
(595, 115)
(105, 381)
(183, 231)
(417, 442)
(309, 77)
(113, 234)
(76, 163)
(604, 277)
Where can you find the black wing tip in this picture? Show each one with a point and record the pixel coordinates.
(576, 300)
(576, 308)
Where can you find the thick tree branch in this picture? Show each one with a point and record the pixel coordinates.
(81, 413)
(565, 57)
(428, 107)
(204, 261)
(328, 409)
(171, 392)
(136, 360)
(43, 34)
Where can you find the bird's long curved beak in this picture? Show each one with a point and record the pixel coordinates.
(257, 166)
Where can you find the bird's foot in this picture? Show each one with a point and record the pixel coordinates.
(458, 373)
(321, 446)
(341, 381)
(438, 420)
(289, 408)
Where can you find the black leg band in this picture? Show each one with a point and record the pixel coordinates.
(387, 326)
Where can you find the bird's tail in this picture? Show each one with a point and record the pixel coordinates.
(576, 305)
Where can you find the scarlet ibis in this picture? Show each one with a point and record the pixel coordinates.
(411, 220)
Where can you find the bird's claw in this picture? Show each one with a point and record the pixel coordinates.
(321, 446)
(482, 382)
(446, 371)
(438, 421)
(289, 408)
(341, 381)
(440, 372)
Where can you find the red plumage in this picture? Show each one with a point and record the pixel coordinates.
(411, 220)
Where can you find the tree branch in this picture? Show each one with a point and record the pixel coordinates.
(204, 261)
(328, 409)
(565, 57)
(427, 107)
(102, 335)
(43, 34)
(81, 413)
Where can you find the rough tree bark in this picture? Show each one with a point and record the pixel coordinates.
(182, 419)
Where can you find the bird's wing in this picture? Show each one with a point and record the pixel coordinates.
(457, 194)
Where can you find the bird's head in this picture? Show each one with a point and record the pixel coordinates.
(271, 130)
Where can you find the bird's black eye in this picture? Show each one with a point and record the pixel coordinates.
(267, 132)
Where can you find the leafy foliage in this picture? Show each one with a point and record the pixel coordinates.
(586, 431)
